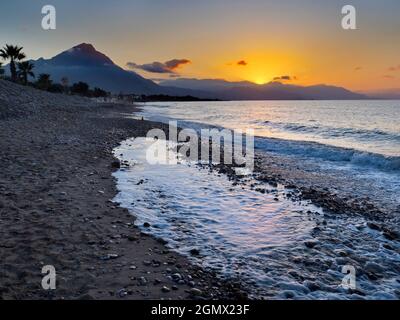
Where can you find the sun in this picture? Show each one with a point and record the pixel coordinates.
(259, 81)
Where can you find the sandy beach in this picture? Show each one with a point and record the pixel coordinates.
(56, 191)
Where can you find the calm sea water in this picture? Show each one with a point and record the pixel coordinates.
(366, 126)
(357, 138)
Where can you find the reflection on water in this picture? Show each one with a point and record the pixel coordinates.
(231, 226)
(278, 248)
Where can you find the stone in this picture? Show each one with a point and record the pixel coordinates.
(143, 281)
(196, 292)
(194, 252)
(111, 256)
(373, 267)
(165, 289)
(176, 277)
(310, 244)
(116, 164)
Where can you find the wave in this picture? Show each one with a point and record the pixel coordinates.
(331, 132)
(329, 153)
(306, 149)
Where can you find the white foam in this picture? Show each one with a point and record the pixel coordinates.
(245, 234)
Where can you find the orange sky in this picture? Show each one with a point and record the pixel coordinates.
(302, 39)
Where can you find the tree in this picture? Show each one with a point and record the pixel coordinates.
(25, 70)
(14, 54)
(44, 82)
(56, 88)
(80, 88)
(99, 93)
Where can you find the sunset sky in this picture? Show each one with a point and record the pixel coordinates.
(255, 40)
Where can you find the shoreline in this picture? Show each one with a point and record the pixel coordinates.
(56, 209)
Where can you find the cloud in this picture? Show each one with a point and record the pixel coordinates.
(395, 68)
(176, 63)
(388, 76)
(285, 78)
(357, 68)
(159, 67)
(240, 63)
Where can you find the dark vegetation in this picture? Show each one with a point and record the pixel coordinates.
(22, 71)
(163, 97)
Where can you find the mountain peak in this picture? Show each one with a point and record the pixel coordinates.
(84, 54)
(85, 46)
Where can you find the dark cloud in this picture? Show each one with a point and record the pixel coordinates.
(395, 68)
(357, 68)
(285, 78)
(176, 63)
(242, 63)
(159, 67)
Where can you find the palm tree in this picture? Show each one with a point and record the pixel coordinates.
(44, 82)
(14, 54)
(25, 70)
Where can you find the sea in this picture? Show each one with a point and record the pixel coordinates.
(262, 239)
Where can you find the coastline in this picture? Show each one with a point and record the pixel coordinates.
(56, 208)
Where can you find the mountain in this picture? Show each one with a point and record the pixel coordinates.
(85, 63)
(393, 94)
(209, 85)
(270, 91)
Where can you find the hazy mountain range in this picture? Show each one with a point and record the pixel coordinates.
(384, 93)
(270, 91)
(85, 63)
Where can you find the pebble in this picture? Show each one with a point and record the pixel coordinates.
(116, 164)
(111, 256)
(122, 293)
(176, 277)
(310, 244)
(195, 292)
(373, 267)
(194, 252)
(143, 281)
(165, 289)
